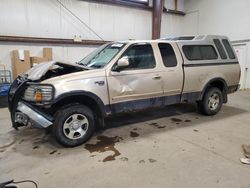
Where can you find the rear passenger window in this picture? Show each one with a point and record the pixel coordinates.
(208, 52)
(167, 54)
(192, 52)
(140, 57)
(199, 52)
(220, 49)
(228, 49)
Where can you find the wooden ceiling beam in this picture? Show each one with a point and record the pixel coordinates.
(58, 41)
(123, 3)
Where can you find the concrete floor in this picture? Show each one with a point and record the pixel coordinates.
(171, 147)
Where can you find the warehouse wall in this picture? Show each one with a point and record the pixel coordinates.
(172, 24)
(47, 18)
(64, 53)
(222, 17)
(242, 50)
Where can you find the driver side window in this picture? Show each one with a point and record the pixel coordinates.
(140, 57)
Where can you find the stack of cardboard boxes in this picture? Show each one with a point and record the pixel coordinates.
(47, 56)
(21, 60)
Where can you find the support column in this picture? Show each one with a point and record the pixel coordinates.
(156, 21)
(175, 5)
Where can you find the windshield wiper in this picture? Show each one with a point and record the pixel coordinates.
(96, 66)
(84, 66)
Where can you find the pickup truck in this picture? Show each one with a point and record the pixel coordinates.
(126, 76)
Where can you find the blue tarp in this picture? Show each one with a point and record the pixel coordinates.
(4, 89)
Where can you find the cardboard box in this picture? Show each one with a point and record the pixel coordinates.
(47, 53)
(20, 62)
(36, 60)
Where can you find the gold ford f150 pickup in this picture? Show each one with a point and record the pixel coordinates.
(73, 99)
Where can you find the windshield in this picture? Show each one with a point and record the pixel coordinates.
(101, 56)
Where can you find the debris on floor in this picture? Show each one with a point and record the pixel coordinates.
(245, 161)
(246, 150)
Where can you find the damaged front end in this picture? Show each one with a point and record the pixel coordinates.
(30, 100)
(52, 69)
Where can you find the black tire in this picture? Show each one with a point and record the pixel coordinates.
(67, 114)
(206, 106)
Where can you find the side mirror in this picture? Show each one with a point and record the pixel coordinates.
(122, 63)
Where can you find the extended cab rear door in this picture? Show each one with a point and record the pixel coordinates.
(172, 71)
(139, 85)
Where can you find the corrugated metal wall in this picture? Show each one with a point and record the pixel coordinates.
(47, 18)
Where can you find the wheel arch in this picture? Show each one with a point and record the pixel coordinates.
(220, 83)
(89, 99)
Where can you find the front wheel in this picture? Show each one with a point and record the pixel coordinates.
(212, 101)
(74, 125)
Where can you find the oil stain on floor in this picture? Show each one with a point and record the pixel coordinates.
(157, 125)
(133, 134)
(124, 159)
(104, 144)
(52, 152)
(152, 160)
(176, 120)
(36, 147)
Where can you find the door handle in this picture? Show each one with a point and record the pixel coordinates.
(157, 77)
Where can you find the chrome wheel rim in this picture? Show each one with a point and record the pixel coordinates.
(75, 126)
(213, 101)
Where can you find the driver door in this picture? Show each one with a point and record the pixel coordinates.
(139, 85)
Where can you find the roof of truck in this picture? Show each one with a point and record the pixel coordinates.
(181, 39)
(195, 38)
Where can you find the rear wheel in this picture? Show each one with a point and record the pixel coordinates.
(74, 125)
(211, 102)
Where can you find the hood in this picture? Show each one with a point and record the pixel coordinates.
(52, 69)
(76, 77)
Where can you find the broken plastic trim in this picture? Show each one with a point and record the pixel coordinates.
(37, 117)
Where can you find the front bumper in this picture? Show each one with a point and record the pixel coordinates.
(27, 113)
(22, 112)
